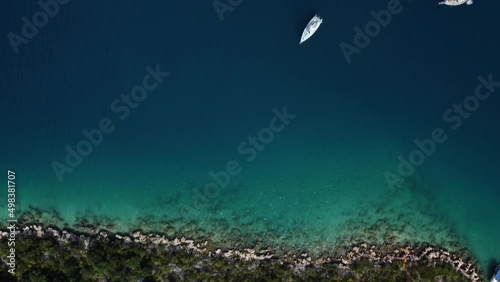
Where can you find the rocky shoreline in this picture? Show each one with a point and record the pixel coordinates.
(401, 258)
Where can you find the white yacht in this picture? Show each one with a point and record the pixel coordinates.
(456, 2)
(496, 275)
(311, 28)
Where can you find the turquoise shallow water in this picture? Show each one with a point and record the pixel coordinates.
(311, 188)
(317, 183)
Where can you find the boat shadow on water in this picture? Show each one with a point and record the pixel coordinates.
(491, 267)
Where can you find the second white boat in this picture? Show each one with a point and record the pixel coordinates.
(311, 28)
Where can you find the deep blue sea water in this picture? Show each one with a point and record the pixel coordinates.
(319, 180)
